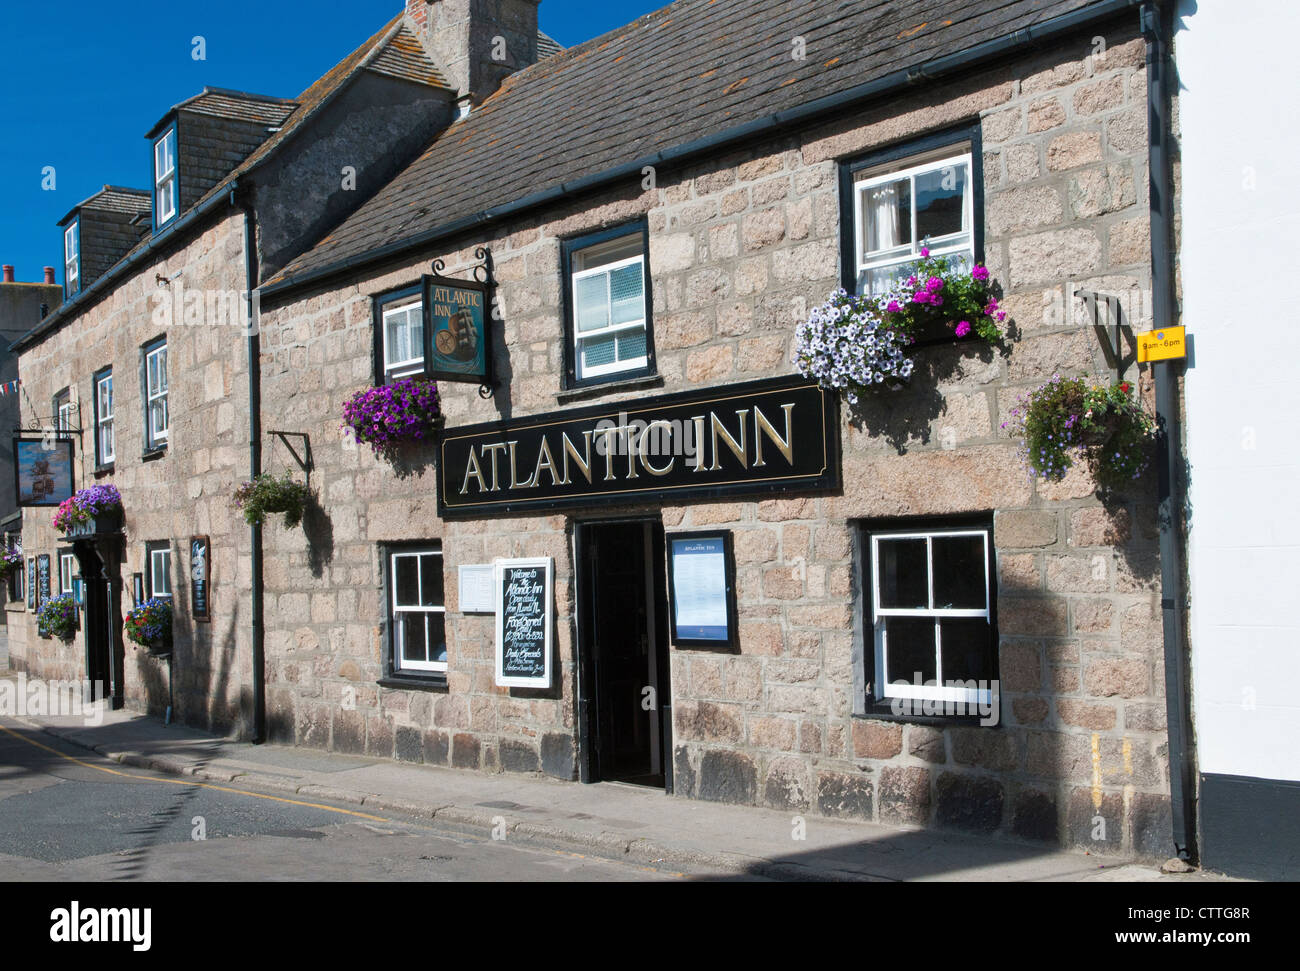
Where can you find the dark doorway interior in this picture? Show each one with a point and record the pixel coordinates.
(624, 695)
(104, 663)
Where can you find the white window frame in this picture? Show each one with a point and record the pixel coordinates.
(400, 663)
(63, 411)
(72, 257)
(938, 691)
(153, 394)
(410, 366)
(962, 242)
(67, 569)
(164, 178)
(581, 371)
(107, 451)
(157, 554)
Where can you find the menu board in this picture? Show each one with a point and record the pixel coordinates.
(42, 580)
(31, 583)
(199, 550)
(702, 584)
(524, 622)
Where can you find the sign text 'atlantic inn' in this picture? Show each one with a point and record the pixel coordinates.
(771, 436)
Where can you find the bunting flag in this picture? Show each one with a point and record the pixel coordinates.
(9, 387)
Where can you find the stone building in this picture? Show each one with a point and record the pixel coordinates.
(655, 211)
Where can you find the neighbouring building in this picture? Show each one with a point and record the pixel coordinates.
(646, 219)
(1241, 441)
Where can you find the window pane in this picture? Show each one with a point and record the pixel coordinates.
(967, 649)
(959, 572)
(627, 302)
(592, 299)
(410, 630)
(106, 398)
(162, 369)
(158, 417)
(887, 220)
(437, 642)
(902, 576)
(407, 570)
(598, 351)
(910, 649)
(631, 344)
(431, 580)
(939, 194)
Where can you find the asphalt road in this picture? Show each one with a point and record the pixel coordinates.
(69, 814)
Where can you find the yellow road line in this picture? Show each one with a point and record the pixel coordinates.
(291, 802)
(182, 782)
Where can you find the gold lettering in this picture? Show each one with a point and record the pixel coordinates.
(472, 469)
(584, 465)
(698, 423)
(609, 433)
(493, 448)
(544, 460)
(737, 447)
(762, 426)
(514, 476)
(649, 435)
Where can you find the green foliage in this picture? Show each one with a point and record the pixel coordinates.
(269, 494)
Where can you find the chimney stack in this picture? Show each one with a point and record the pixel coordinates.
(9, 273)
(49, 275)
(476, 43)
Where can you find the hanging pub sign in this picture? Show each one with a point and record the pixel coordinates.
(42, 470)
(199, 549)
(702, 589)
(42, 580)
(524, 622)
(455, 329)
(773, 436)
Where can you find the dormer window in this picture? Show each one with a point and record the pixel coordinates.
(72, 257)
(164, 178)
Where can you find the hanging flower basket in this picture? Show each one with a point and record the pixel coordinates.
(150, 625)
(11, 562)
(90, 511)
(58, 618)
(855, 344)
(1068, 419)
(269, 494)
(393, 415)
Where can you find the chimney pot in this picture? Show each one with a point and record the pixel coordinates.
(49, 275)
(9, 273)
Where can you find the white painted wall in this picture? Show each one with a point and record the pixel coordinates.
(1240, 82)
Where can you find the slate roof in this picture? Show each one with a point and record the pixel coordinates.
(547, 45)
(693, 68)
(115, 198)
(234, 106)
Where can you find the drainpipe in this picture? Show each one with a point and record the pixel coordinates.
(254, 470)
(1155, 29)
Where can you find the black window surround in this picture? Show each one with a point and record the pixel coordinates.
(966, 134)
(153, 447)
(14, 585)
(378, 303)
(868, 700)
(568, 249)
(150, 548)
(393, 675)
(101, 463)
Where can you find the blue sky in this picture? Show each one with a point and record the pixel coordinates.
(81, 83)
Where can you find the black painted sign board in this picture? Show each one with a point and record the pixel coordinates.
(524, 622)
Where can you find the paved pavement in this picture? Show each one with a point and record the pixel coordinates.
(615, 822)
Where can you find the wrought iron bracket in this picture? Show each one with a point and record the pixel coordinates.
(304, 460)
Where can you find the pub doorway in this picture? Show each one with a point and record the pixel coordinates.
(624, 702)
(104, 661)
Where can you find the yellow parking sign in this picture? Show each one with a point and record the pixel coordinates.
(1162, 345)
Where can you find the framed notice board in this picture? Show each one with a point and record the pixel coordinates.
(42, 580)
(525, 622)
(702, 589)
(31, 583)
